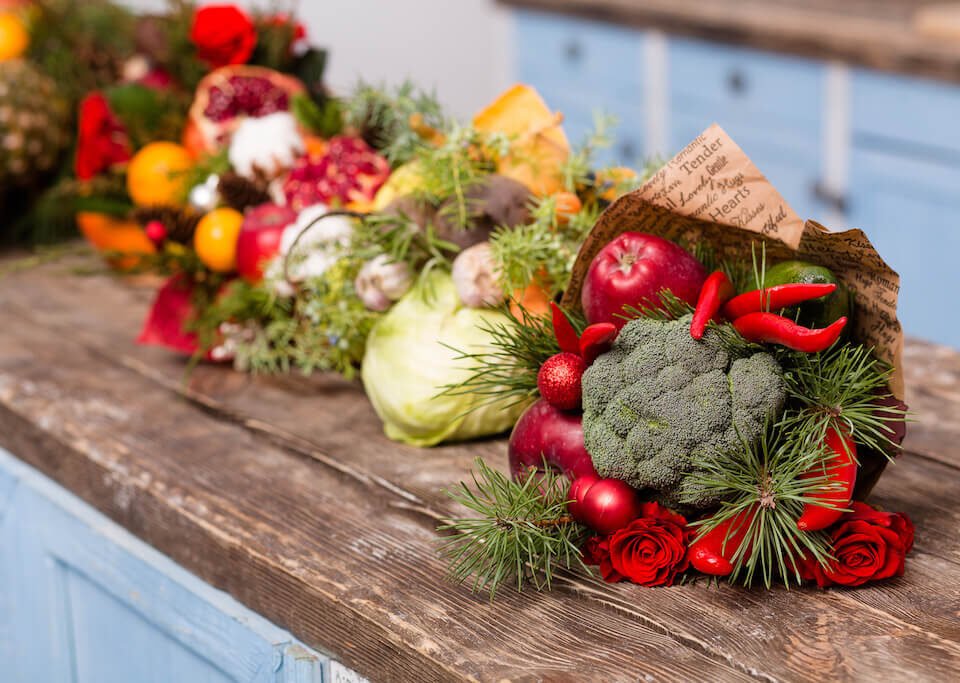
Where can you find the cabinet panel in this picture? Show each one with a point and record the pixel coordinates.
(913, 116)
(911, 212)
(582, 68)
(82, 600)
(747, 84)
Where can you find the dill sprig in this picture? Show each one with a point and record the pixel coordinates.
(761, 487)
(508, 372)
(522, 531)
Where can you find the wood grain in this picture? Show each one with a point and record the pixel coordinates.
(876, 34)
(284, 493)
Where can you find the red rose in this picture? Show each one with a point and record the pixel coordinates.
(101, 138)
(223, 34)
(869, 545)
(651, 550)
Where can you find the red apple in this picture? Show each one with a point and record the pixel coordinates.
(259, 239)
(631, 270)
(545, 432)
(604, 505)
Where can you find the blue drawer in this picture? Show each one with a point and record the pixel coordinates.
(582, 59)
(746, 84)
(909, 115)
(909, 209)
(582, 68)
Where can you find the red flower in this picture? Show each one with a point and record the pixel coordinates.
(651, 550)
(223, 34)
(869, 545)
(101, 138)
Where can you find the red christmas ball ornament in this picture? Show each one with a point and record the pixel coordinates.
(604, 505)
(156, 232)
(559, 380)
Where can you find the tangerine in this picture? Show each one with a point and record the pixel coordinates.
(14, 38)
(157, 174)
(215, 239)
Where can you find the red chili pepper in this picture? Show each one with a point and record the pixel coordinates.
(775, 329)
(566, 335)
(714, 553)
(716, 289)
(841, 467)
(776, 297)
(596, 339)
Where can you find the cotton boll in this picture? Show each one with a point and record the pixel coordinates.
(314, 251)
(475, 277)
(268, 144)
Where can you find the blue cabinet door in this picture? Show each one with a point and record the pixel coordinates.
(83, 601)
(910, 209)
(770, 105)
(582, 68)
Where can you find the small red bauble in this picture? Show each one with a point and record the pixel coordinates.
(156, 232)
(559, 380)
(604, 505)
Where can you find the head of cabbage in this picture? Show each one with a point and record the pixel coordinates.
(413, 352)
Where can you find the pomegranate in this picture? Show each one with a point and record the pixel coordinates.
(631, 270)
(348, 172)
(259, 238)
(228, 95)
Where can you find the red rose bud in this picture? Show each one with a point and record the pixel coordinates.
(559, 380)
(650, 551)
(604, 505)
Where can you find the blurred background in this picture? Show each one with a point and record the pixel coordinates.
(851, 109)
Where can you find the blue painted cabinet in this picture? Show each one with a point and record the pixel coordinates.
(83, 601)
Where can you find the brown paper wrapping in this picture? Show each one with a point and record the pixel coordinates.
(712, 191)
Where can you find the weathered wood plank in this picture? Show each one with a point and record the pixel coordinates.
(328, 419)
(879, 35)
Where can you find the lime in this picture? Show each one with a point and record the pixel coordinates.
(817, 312)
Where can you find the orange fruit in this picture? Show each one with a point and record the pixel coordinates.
(14, 38)
(157, 174)
(533, 298)
(215, 239)
(115, 235)
(566, 205)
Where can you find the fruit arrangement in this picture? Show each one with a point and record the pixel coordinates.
(707, 402)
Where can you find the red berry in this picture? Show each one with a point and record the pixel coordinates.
(559, 380)
(156, 232)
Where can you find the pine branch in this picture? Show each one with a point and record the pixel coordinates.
(667, 306)
(522, 531)
(760, 483)
(508, 374)
(840, 388)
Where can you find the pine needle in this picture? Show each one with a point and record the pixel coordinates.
(522, 532)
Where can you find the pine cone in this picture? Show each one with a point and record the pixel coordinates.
(180, 224)
(240, 193)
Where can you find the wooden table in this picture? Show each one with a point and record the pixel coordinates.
(880, 34)
(284, 493)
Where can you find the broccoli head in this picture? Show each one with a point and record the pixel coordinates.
(660, 398)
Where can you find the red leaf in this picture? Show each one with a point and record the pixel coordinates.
(165, 323)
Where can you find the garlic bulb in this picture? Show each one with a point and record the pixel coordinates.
(475, 277)
(267, 145)
(381, 281)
